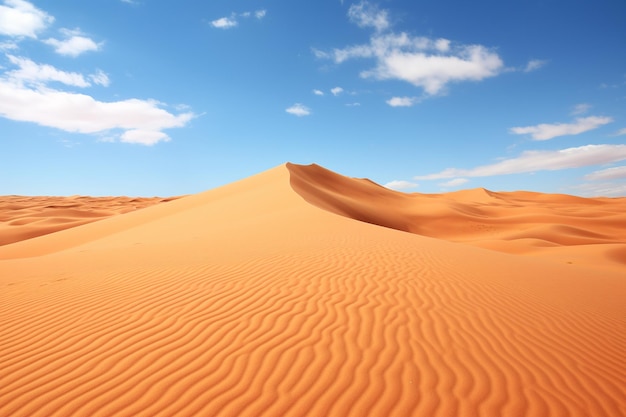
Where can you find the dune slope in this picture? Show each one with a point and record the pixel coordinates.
(247, 300)
(571, 229)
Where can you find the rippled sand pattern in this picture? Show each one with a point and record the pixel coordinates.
(248, 300)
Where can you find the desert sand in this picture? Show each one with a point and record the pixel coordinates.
(300, 292)
(23, 217)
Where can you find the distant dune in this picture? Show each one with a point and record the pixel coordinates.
(300, 292)
(27, 217)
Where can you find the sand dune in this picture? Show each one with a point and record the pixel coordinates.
(258, 299)
(27, 217)
(513, 222)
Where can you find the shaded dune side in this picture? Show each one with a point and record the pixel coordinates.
(23, 217)
(513, 222)
(215, 306)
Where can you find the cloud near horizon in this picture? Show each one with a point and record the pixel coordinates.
(607, 174)
(454, 182)
(533, 161)
(430, 64)
(547, 131)
(400, 185)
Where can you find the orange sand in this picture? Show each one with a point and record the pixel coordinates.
(258, 299)
(27, 217)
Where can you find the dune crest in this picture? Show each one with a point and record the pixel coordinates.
(547, 225)
(251, 300)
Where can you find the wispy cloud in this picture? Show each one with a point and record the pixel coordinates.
(402, 101)
(100, 78)
(534, 64)
(620, 132)
(546, 131)
(8, 46)
(454, 183)
(401, 185)
(74, 44)
(299, 110)
(32, 73)
(533, 161)
(607, 174)
(581, 108)
(336, 91)
(318, 92)
(366, 14)
(427, 63)
(232, 20)
(21, 18)
(605, 189)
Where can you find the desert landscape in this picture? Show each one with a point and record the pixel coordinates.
(302, 292)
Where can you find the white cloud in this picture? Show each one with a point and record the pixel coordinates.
(298, 110)
(144, 137)
(532, 161)
(100, 78)
(21, 18)
(224, 23)
(336, 91)
(607, 174)
(454, 183)
(355, 104)
(142, 121)
(365, 14)
(605, 189)
(318, 92)
(8, 46)
(74, 44)
(427, 63)
(442, 45)
(534, 64)
(581, 108)
(402, 101)
(620, 132)
(401, 185)
(33, 73)
(231, 22)
(546, 131)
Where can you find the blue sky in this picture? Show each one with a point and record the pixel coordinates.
(149, 97)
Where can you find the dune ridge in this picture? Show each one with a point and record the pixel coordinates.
(511, 222)
(248, 300)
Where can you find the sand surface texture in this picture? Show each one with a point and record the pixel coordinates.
(268, 297)
(27, 217)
